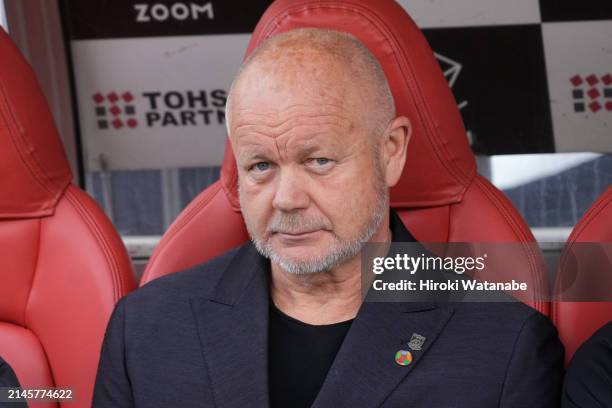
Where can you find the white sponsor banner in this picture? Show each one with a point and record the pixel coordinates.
(154, 102)
(579, 66)
(461, 13)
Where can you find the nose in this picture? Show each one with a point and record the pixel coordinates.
(290, 194)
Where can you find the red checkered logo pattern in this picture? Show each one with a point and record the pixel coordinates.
(592, 93)
(114, 109)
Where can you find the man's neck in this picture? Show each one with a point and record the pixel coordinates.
(322, 298)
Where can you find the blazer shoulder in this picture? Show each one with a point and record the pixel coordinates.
(510, 315)
(589, 375)
(7, 376)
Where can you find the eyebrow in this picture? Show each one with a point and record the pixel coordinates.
(307, 151)
(253, 156)
(252, 151)
(318, 141)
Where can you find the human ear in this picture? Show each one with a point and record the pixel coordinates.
(395, 143)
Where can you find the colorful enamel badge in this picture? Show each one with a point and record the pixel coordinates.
(403, 357)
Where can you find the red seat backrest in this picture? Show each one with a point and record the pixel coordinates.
(440, 196)
(577, 321)
(62, 265)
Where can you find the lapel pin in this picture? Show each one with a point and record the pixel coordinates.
(403, 357)
(416, 342)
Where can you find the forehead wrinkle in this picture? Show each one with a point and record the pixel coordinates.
(276, 128)
(287, 146)
(249, 148)
(303, 144)
(292, 140)
(303, 109)
(290, 127)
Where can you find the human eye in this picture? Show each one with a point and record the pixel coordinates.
(261, 166)
(261, 169)
(320, 163)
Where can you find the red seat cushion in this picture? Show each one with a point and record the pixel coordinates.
(577, 321)
(62, 265)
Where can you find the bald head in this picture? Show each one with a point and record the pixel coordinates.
(325, 66)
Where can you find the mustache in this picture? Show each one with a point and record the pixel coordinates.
(297, 224)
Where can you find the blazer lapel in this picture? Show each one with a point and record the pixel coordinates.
(366, 359)
(233, 330)
(365, 372)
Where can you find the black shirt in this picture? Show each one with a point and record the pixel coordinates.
(300, 354)
(299, 357)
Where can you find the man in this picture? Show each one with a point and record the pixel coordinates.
(588, 382)
(280, 321)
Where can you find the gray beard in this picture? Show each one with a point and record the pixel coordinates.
(342, 251)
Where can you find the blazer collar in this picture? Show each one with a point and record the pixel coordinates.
(233, 328)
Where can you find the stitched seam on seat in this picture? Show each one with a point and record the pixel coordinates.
(27, 305)
(428, 204)
(522, 236)
(45, 356)
(595, 209)
(589, 216)
(181, 222)
(109, 254)
(429, 123)
(32, 165)
(107, 250)
(417, 97)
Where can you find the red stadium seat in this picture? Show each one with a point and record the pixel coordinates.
(62, 265)
(440, 196)
(577, 321)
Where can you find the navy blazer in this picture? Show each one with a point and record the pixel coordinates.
(198, 338)
(588, 382)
